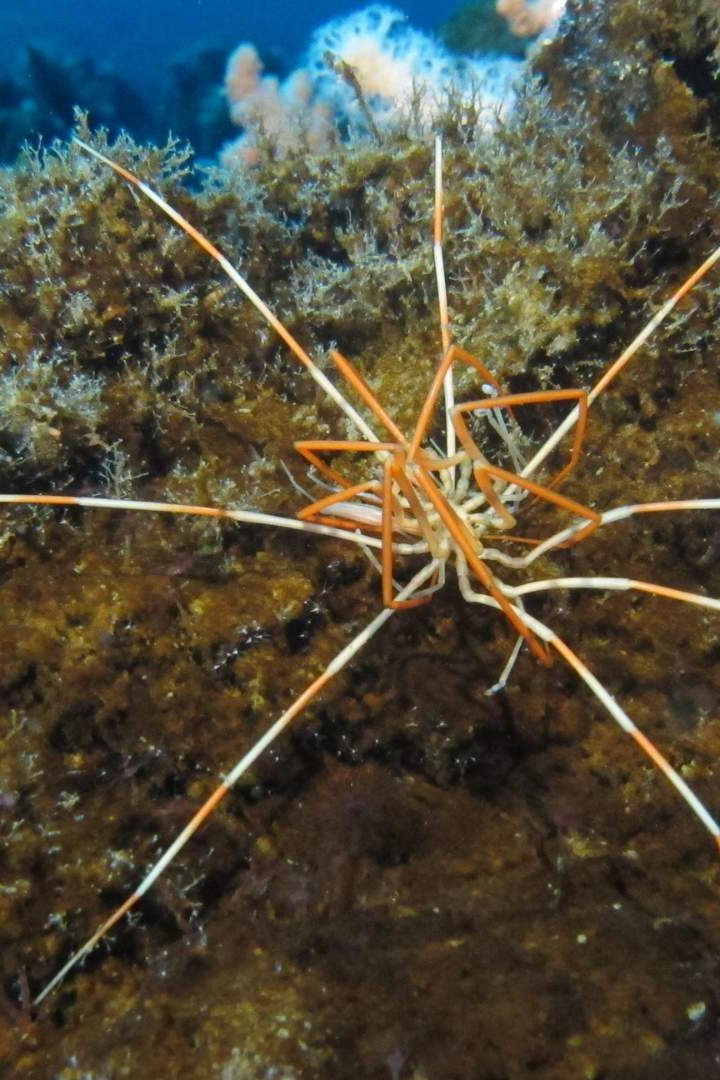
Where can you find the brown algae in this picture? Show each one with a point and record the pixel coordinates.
(421, 881)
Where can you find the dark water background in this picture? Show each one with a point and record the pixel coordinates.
(139, 40)
(150, 68)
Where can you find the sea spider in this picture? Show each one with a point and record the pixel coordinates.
(446, 505)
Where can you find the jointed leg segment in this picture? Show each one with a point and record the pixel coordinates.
(515, 401)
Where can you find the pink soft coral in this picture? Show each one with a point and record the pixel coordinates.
(361, 71)
(527, 18)
(283, 114)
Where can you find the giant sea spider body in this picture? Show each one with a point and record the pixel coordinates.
(445, 504)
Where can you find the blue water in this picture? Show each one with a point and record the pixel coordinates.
(139, 40)
(154, 67)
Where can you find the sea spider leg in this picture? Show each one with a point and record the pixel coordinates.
(452, 354)
(575, 419)
(572, 533)
(353, 376)
(602, 695)
(236, 277)
(245, 517)
(309, 448)
(395, 475)
(431, 571)
(444, 376)
(444, 315)
(388, 514)
(621, 717)
(484, 473)
(578, 415)
(463, 544)
(308, 695)
(426, 573)
(535, 397)
(355, 511)
(616, 584)
(622, 361)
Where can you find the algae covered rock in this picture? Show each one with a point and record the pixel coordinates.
(421, 880)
